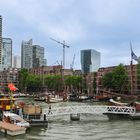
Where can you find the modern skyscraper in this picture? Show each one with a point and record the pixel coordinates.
(38, 56)
(32, 55)
(26, 54)
(0, 39)
(6, 55)
(16, 62)
(90, 60)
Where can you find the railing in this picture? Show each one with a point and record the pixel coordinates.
(89, 110)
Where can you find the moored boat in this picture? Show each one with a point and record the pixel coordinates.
(53, 99)
(15, 119)
(11, 129)
(33, 115)
(135, 116)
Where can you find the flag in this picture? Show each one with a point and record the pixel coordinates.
(12, 87)
(133, 55)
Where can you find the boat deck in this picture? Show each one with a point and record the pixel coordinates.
(11, 129)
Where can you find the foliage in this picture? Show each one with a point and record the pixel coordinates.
(33, 83)
(73, 82)
(23, 74)
(53, 82)
(116, 80)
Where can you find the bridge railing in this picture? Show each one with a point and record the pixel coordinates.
(89, 109)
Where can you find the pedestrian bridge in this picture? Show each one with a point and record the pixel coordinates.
(96, 109)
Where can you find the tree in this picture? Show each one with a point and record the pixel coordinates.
(107, 80)
(33, 83)
(53, 82)
(116, 80)
(23, 74)
(73, 82)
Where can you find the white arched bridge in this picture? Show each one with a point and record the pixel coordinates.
(96, 109)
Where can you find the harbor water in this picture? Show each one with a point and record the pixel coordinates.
(90, 127)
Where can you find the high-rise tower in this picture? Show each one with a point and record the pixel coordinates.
(0, 39)
(26, 54)
(32, 55)
(90, 60)
(6, 52)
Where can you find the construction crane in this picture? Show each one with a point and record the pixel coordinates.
(64, 46)
(72, 64)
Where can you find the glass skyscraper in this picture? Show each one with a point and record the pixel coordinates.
(32, 55)
(90, 60)
(26, 54)
(38, 56)
(6, 55)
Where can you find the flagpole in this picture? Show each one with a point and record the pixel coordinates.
(131, 65)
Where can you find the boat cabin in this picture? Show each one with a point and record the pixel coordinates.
(5, 103)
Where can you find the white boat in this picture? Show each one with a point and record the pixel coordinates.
(117, 103)
(15, 119)
(55, 100)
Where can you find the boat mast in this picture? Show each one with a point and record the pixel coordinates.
(131, 65)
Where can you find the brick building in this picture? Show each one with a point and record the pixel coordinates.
(132, 76)
(10, 75)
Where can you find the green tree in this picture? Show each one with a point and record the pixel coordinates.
(53, 82)
(107, 80)
(116, 80)
(23, 74)
(33, 83)
(73, 82)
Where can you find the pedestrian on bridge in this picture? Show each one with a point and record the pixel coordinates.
(49, 112)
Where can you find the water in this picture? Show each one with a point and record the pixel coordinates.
(90, 127)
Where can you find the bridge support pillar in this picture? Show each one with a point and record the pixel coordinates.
(74, 117)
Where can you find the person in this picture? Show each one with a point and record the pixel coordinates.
(49, 112)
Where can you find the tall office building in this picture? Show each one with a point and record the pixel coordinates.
(26, 54)
(7, 52)
(0, 39)
(32, 55)
(38, 56)
(90, 60)
(16, 63)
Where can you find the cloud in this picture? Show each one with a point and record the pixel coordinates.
(104, 25)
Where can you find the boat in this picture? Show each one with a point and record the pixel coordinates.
(33, 115)
(54, 99)
(135, 116)
(6, 103)
(116, 103)
(15, 119)
(11, 129)
(102, 98)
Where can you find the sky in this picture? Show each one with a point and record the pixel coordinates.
(107, 26)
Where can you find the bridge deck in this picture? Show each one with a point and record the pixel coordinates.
(90, 110)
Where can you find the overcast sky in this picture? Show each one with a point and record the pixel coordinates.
(104, 25)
